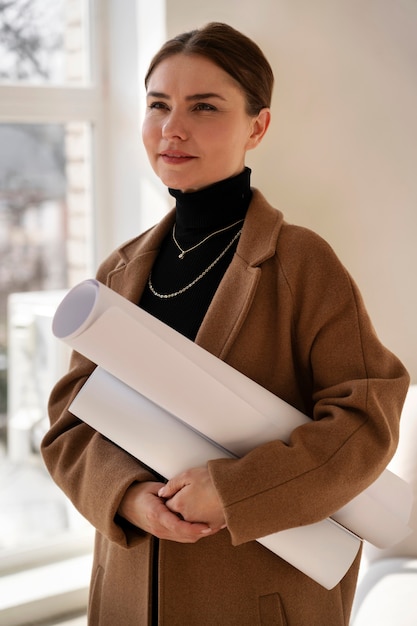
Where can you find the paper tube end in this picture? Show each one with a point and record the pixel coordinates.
(74, 310)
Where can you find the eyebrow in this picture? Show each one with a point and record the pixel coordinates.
(192, 98)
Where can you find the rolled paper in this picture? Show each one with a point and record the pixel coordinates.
(323, 551)
(224, 406)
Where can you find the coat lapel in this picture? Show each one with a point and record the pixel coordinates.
(137, 258)
(232, 301)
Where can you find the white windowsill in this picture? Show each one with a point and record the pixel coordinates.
(45, 592)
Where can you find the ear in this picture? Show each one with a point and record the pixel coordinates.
(259, 126)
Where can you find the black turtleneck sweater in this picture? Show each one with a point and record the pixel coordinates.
(199, 214)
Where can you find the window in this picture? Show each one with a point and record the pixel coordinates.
(45, 213)
(44, 42)
(50, 116)
(74, 183)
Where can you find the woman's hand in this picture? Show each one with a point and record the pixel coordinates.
(192, 495)
(143, 507)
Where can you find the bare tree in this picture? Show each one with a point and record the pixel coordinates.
(30, 38)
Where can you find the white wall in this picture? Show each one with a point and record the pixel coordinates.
(341, 154)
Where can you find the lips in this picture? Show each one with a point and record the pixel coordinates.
(176, 157)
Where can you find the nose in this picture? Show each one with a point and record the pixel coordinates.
(174, 126)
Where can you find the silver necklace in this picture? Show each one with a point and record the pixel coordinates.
(217, 232)
(199, 277)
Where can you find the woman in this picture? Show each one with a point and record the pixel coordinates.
(273, 301)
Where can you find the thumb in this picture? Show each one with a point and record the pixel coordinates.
(171, 487)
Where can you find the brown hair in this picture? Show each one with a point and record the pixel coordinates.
(233, 52)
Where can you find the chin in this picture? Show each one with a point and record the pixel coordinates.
(182, 183)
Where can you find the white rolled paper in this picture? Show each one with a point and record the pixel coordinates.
(221, 403)
(323, 551)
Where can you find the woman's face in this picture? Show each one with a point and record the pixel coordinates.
(196, 130)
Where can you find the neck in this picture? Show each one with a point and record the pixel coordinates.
(213, 207)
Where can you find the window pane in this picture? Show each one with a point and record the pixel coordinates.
(45, 214)
(43, 41)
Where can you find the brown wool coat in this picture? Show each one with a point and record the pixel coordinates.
(288, 315)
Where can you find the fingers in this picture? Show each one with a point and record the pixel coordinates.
(173, 486)
(192, 495)
(153, 516)
(191, 511)
(165, 519)
(167, 525)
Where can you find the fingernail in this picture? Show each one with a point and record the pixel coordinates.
(206, 531)
(161, 492)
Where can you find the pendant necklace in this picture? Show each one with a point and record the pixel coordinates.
(197, 245)
(165, 296)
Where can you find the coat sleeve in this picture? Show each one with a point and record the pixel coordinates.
(356, 390)
(92, 471)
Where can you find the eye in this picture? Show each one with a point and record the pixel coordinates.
(204, 106)
(158, 106)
